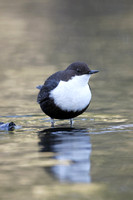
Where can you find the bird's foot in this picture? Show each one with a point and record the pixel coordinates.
(52, 123)
(71, 122)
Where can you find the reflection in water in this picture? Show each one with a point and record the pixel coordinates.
(72, 145)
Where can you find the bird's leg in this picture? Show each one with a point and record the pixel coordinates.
(52, 123)
(71, 122)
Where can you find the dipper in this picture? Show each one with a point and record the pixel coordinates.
(66, 94)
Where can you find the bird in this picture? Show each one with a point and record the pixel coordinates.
(66, 94)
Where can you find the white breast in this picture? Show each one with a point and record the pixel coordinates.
(73, 95)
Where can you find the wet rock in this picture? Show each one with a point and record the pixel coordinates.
(10, 126)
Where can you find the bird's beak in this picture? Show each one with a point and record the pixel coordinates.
(93, 71)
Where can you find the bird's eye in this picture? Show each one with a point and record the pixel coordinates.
(78, 70)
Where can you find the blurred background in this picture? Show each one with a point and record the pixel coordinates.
(38, 38)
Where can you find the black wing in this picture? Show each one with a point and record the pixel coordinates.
(52, 83)
(49, 85)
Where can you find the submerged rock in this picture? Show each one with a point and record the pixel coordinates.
(10, 126)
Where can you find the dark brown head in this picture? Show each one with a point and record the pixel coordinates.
(80, 68)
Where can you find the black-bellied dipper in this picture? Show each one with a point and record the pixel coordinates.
(66, 94)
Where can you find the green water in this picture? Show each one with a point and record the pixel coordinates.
(94, 159)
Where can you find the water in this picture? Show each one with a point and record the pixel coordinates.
(92, 160)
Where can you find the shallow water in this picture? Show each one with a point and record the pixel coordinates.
(92, 160)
